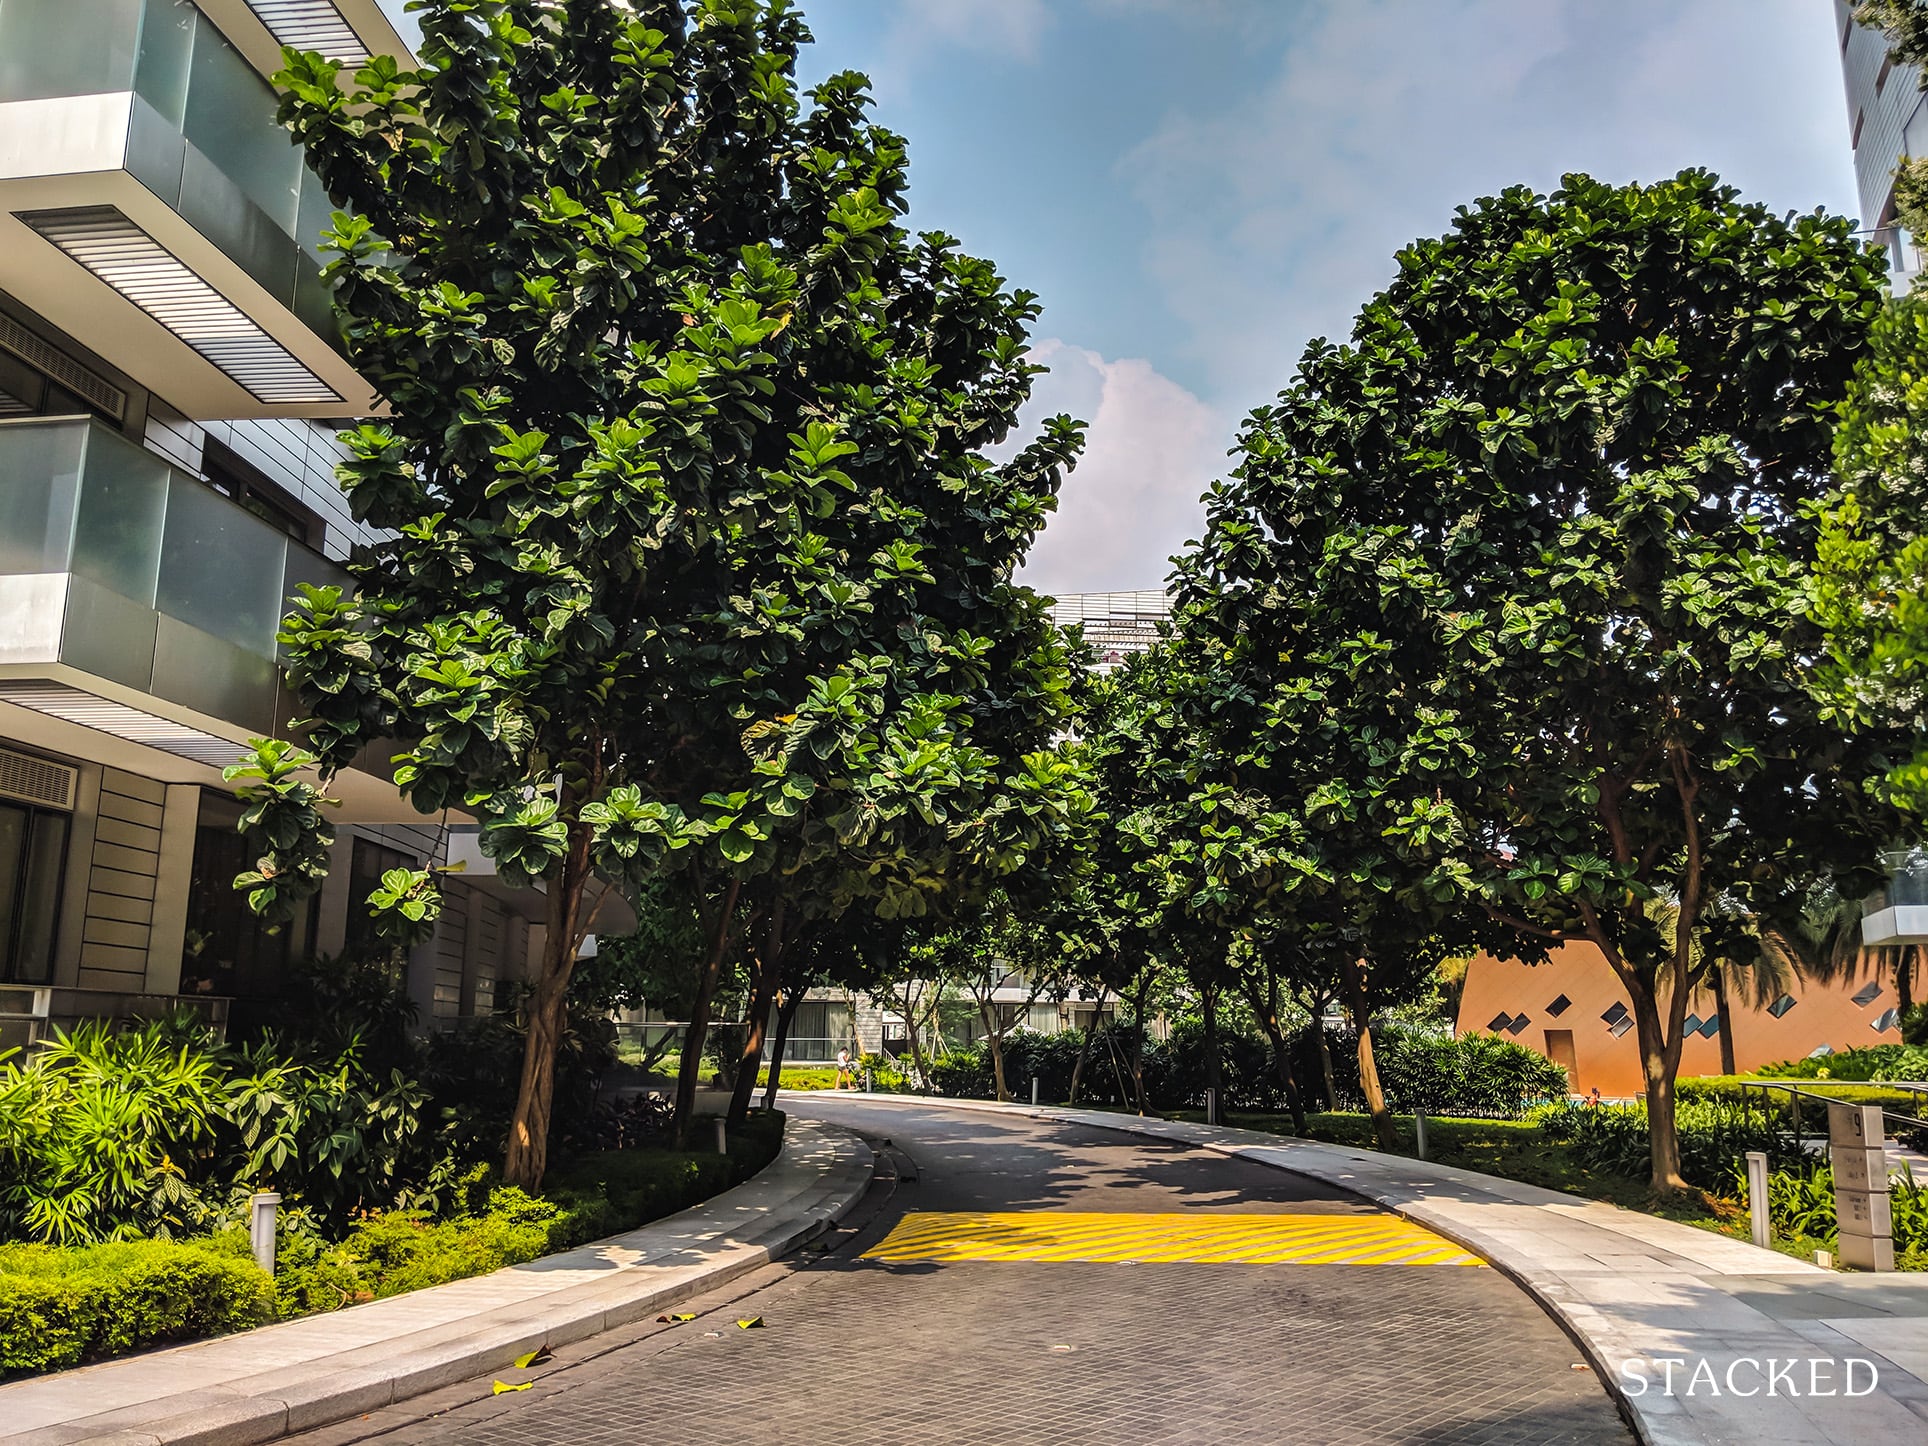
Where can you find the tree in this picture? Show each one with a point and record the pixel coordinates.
(1526, 561)
(669, 390)
(1871, 585)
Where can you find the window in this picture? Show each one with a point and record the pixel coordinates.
(1881, 75)
(228, 950)
(370, 861)
(1867, 993)
(1615, 1014)
(1499, 1023)
(233, 478)
(33, 859)
(1890, 1019)
(1854, 141)
(1781, 1006)
(1559, 1006)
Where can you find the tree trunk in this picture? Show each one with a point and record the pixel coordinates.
(1357, 1006)
(1905, 980)
(1084, 1047)
(528, 1153)
(1325, 1053)
(691, 1063)
(1726, 1018)
(1267, 1013)
(996, 1038)
(1657, 1072)
(1138, 1045)
(911, 1036)
(1214, 1088)
(763, 998)
(786, 1016)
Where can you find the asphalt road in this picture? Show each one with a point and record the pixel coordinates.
(974, 1297)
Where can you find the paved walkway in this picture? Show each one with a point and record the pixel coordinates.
(261, 1384)
(1040, 1282)
(1638, 1290)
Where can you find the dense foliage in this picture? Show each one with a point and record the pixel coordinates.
(1871, 588)
(1506, 593)
(62, 1307)
(160, 1130)
(695, 564)
(1473, 1074)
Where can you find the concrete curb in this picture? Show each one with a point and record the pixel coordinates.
(263, 1384)
(1629, 1288)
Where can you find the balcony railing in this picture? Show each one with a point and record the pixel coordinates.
(77, 497)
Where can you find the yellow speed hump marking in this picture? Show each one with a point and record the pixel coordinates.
(1191, 1238)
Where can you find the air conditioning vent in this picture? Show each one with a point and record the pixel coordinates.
(63, 369)
(35, 780)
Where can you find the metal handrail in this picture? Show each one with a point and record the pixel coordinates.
(1796, 1094)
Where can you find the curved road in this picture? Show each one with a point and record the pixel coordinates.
(971, 1298)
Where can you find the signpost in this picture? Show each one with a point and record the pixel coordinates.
(1858, 1152)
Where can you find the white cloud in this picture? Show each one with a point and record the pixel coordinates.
(992, 27)
(1152, 449)
(1272, 218)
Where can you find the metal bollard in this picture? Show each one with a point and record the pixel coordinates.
(263, 1207)
(1034, 1089)
(722, 1136)
(866, 1079)
(1419, 1133)
(1211, 1106)
(1757, 1197)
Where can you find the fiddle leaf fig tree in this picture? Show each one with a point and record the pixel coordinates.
(692, 563)
(1525, 562)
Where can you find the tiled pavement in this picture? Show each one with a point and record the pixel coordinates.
(860, 1352)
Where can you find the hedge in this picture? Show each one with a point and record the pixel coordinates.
(1732, 1089)
(62, 1307)
(1473, 1074)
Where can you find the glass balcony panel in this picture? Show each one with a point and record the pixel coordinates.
(39, 481)
(221, 568)
(123, 508)
(75, 47)
(230, 118)
(167, 49)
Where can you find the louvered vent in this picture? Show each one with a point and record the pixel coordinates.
(35, 780)
(63, 369)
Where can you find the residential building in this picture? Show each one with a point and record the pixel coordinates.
(171, 381)
(1887, 119)
(1114, 623)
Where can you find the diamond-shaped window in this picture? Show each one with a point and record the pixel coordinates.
(1867, 994)
(1691, 1024)
(1888, 1020)
(1559, 1006)
(1520, 1021)
(1710, 1026)
(1615, 1014)
(1781, 1005)
(1622, 1027)
(1498, 1023)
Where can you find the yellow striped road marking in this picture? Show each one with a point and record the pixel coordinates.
(1191, 1238)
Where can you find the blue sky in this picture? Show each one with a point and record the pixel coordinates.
(1196, 188)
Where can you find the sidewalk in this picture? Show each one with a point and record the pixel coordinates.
(266, 1383)
(1633, 1289)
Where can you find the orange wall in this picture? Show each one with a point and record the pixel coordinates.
(1821, 1015)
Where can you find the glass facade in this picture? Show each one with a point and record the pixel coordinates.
(77, 497)
(196, 84)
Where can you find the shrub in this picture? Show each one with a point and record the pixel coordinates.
(1615, 1139)
(1877, 1062)
(61, 1307)
(1800, 1202)
(1470, 1074)
(593, 1196)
